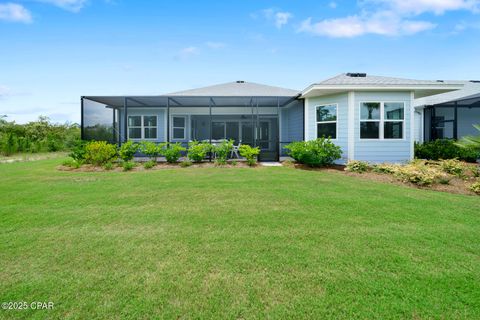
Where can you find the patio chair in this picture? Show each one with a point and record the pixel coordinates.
(235, 150)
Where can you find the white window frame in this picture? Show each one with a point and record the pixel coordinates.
(184, 127)
(321, 122)
(381, 121)
(142, 127)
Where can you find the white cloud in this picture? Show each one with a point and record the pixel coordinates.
(70, 5)
(332, 5)
(215, 45)
(381, 23)
(279, 18)
(188, 52)
(437, 7)
(14, 12)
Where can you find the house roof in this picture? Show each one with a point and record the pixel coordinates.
(470, 90)
(237, 89)
(349, 82)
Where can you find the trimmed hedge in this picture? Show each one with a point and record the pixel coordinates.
(443, 149)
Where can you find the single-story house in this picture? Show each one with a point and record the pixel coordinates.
(371, 118)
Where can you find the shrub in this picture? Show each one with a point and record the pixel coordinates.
(418, 173)
(78, 150)
(385, 168)
(108, 166)
(151, 150)
(446, 149)
(222, 151)
(150, 164)
(357, 166)
(234, 162)
(186, 163)
(127, 150)
(315, 153)
(476, 187)
(197, 151)
(452, 166)
(249, 153)
(100, 152)
(172, 152)
(72, 163)
(128, 165)
(476, 171)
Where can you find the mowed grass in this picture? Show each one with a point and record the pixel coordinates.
(239, 243)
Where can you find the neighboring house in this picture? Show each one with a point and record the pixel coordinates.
(371, 118)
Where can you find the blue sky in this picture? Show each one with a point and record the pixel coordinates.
(54, 51)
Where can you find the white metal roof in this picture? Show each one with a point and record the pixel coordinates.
(238, 89)
(469, 90)
(343, 83)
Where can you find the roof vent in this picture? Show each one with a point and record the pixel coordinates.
(356, 75)
(440, 81)
(240, 81)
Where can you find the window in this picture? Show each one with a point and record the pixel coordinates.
(142, 127)
(382, 120)
(178, 128)
(327, 121)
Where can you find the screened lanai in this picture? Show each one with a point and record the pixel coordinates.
(452, 119)
(270, 117)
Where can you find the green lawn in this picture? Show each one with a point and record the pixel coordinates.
(234, 244)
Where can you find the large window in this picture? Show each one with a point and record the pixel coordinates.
(382, 120)
(178, 128)
(327, 121)
(142, 127)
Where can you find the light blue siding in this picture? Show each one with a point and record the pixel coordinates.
(292, 123)
(377, 151)
(342, 119)
(159, 112)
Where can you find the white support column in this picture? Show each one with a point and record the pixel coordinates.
(351, 125)
(306, 124)
(412, 126)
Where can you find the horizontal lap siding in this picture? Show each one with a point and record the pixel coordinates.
(159, 112)
(342, 119)
(377, 151)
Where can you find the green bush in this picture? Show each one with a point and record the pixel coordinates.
(357, 166)
(315, 153)
(476, 171)
(151, 150)
(128, 165)
(186, 163)
(197, 151)
(108, 166)
(127, 150)
(444, 149)
(100, 152)
(172, 152)
(78, 150)
(72, 163)
(150, 164)
(249, 153)
(222, 151)
(475, 187)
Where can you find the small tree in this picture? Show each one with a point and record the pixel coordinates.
(249, 153)
(151, 149)
(222, 150)
(127, 150)
(171, 151)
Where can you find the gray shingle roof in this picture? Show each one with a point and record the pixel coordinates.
(238, 89)
(344, 79)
